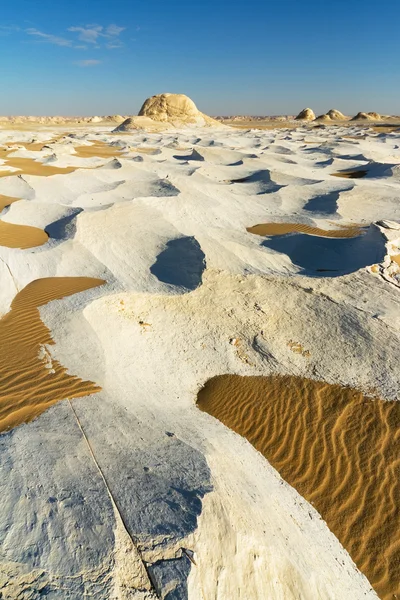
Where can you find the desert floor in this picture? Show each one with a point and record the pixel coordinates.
(200, 369)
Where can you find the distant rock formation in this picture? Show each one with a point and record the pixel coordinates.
(59, 120)
(307, 114)
(115, 118)
(335, 115)
(331, 115)
(168, 110)
(370, 116)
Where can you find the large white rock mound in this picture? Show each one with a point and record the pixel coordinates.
(168, 110)
(307, 114)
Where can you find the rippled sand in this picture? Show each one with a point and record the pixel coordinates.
(30, 381)
(21, 236)
(271, 229)
(339, 449)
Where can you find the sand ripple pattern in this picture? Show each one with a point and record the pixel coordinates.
(339, 449)
(30, 381)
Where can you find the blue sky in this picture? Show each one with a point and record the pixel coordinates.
(256, 57)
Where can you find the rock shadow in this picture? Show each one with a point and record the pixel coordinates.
(180, 264)
(64, 228)
(194, 155)
(257, 183)
(325, 204)
(329, 257)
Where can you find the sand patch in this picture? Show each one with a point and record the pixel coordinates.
(338, 448)
(351, 174)
(6, 201)
(395, 258)
(21, 236)
(146, 150)
(34, 146)
(271, 229)
(29, 166)
(30, 380)
(98, 150)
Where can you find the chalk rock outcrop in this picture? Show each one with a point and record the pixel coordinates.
(331, 115)
(335, 115)
(168, 110)
(307, 114)
(370, 116)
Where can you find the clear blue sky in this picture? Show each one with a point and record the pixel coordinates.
(231, 57)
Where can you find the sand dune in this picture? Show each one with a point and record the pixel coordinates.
(339, 449)
(30, 381)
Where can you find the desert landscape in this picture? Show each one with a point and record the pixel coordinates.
(199, 324)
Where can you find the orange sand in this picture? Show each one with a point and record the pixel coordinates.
(30, 381)
(339, 449)
(98, 149)
(29, 166)
(351, 174)
(396, 258)
(271, 229)
(6, 201)
(19, 236)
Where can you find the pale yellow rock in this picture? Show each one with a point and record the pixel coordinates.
(331, 115)
(176, 109)
(307, 114)
(370, 116)
(136, 123)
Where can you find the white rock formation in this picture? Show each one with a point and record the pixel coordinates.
(307, 114)
(370, 116)
(168, 110)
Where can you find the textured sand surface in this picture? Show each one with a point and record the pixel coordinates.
(129, 490)
(21, 236)
(338, 448)
(30, 381)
